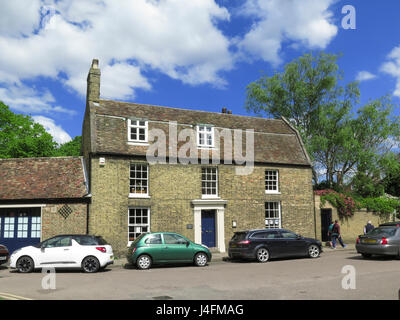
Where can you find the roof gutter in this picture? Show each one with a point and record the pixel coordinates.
(299, 139)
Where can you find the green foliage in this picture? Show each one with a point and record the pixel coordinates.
(71, 148)
(345, 204)
(381, 205)
(310, 94)
(21, 137)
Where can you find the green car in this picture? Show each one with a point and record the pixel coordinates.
(166, 247)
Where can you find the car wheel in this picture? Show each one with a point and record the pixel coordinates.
(25, 264)
(262, 255)
(144, 262)
(90, 264)
(366, 255)
(313, 251)
(200, 259)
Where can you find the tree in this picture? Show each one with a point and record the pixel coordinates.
(309, 95)
(71, 148)
(346, 146)
(21, 137)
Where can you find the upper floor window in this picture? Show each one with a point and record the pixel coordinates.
(139, 180)
(271, 181)
(137, 130)
(209, 182)
(205, 136)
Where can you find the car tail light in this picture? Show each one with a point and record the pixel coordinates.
(102, 249)
(358, 241)
(244, 242)
(384, 241)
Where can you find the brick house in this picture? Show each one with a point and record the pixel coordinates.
(197, 190)
(40, 198)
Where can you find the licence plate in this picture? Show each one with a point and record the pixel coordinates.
(3, 258)
(369, 241)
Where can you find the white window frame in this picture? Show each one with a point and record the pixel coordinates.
(137, 126)
(134, 194)
(138, 225)
(279, 218)
(277, 182)
(202, 129)
(209, 196)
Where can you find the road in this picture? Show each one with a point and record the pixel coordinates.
(321, 278)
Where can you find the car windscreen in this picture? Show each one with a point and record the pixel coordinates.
(388, 231)
(239, 236)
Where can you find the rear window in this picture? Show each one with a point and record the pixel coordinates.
(389, 231)
(239, 236)
(134, 242)
(90, 240)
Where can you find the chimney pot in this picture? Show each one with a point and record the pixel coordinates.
(230, 112)
(224, 110)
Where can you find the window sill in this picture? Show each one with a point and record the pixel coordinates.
(272, 192)
(138, 196)
(206, 148)
(210, 197)
(137, 143)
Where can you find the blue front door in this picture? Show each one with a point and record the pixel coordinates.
(208, 228)
(19, 227)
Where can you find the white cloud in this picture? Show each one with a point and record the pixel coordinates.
(58, 133)
(19, 17)
(392, 67)
(29, 100)
(178, 38)
(306, 22)
(365, 76)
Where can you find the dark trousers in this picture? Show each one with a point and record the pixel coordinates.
(334, 238)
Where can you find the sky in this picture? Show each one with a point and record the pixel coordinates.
(197, 54)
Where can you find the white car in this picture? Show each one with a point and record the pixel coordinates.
(89, 253)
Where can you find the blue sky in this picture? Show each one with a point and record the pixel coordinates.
(198, 54)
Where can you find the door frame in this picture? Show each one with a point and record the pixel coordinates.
(212, 204)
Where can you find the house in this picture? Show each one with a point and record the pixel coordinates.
(202, 174)
(40, 198)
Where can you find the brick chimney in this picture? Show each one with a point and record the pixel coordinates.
(224, 110)
(93, 82)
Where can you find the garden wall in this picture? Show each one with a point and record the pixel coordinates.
(351, 227)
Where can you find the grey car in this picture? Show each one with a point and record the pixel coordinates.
(384, 240)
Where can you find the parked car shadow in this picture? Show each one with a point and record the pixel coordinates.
(161, 266)
(61, 271)
(374, 258)
(227, 259)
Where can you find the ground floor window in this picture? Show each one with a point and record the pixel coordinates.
(139, 222)
(273, 214)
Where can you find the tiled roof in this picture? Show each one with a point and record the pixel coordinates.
(275, 141)
(42, 178)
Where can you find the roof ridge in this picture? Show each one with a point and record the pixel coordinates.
(41, 158)
(184, 109)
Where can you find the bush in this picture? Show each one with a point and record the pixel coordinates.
(345, 204)
(381, 205)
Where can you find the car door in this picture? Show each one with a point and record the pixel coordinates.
(273, 241)
(155, 248)
(177, 248)
(56, 252)
(294, 244)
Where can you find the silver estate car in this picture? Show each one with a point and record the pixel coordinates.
(384, 240)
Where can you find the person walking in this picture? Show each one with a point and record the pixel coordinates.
(330, 228)
(337, 236)
(368, 227)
